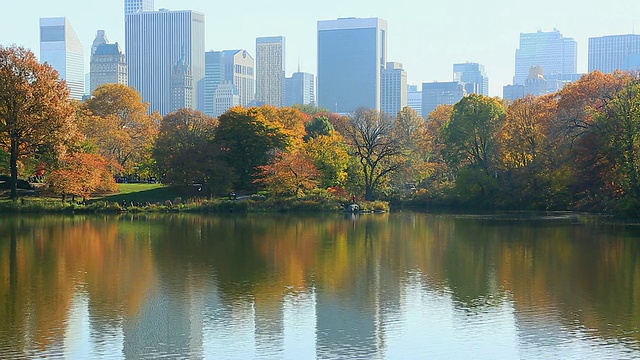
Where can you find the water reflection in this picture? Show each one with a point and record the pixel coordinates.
(381, 286)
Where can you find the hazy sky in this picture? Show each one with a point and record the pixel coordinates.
(427, 37)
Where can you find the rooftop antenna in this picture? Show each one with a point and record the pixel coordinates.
(298, 63)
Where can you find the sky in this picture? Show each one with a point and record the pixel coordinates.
(427, 37)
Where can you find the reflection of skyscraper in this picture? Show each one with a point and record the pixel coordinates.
(155, 41)
(270, 69)
(351, 55)
(61, 48)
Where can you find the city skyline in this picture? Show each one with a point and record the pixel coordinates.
(415, 38)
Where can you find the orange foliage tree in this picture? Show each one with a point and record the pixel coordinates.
(83, 174)
(291, 173)
(35, 112)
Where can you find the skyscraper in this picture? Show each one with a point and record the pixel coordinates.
(473, 77)
(270, 70)
(299, 89)
(351, 55)
(61, 48)
(155, 41)
(225, 97)
(414, 98)
(550, 50)
(440, 93)
(108, 64)
(394, 88)
(134, 6)
(230, 66)
(181, 86)
(614, 52)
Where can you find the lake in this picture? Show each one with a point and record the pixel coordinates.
(380, 286)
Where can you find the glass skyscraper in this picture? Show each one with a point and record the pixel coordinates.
(61, 48)
(155, 41)
(299, 89)
(473, 77)
(615, 52)
(394, 88)
(549, 50)
(229, 66)
(352, 53)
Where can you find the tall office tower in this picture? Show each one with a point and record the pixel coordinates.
(299, 89)
(270, 68)
(135, 6)
(414, 98)
(473, 77)
(614, 52)
(225, 97)
(181, 86)
(550, 50)
(440, 93)
(108, 64)
(61, 48)
(231, 66)
(155, 41)
(394, 88)
(513, 92)
(351, 55)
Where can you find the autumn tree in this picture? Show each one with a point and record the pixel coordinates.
(471, 144)
(35, 112)
(119, 125)
(249, 139)
(330, 155)
(437, 171)
(185, 152)
(83, 174)
(410, 130)
(290, 173)
(374, 142)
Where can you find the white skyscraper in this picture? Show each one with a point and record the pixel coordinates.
(394, 89)
(270, 70)
(155, 41)
(61, 48)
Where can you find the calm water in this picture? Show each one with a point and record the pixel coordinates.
(392, 286)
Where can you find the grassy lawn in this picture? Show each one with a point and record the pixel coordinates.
(142, 193)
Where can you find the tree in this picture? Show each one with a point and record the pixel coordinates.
(373, 141)
(248, 140)
(436, 169)
(83, 174)
(410, 130)
(119, 124)
(186, 153)
(35, 112)
(330, 155)
(318, 125)
(291, 173)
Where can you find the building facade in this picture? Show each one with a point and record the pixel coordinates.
(615, 52)
(155, 41)
(270, 70)
(549, 50)
(231, 66)
(225, 97)
(414, 98)
(181, 86)
(440, 93)
(473, 77)
(394, 88)
(352, 52)
(61, 48)
(108, 64)
(135, 6)
(299, 89)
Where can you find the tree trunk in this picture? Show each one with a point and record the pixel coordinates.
(13, 164)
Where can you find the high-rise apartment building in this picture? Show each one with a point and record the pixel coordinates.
(473, 77)
(135, 6)
(61, 48)
(270, 70)
(299, 89)
(549, 50)
(352, 53)
(181, 86)
(155, 41)
(225, 97)
(440, 93)
(394, 88)
(108, 64)
(414, 98)
(228, 66)
(614, 52)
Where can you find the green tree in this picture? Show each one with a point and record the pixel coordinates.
(331, 157)
(35, 111)
(185, 152)
(249, 140)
